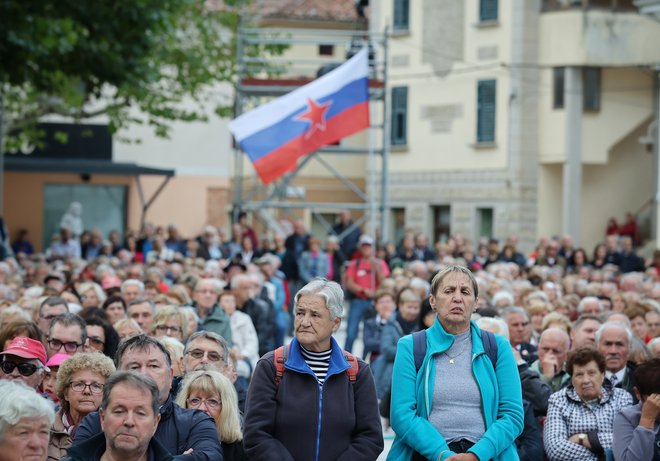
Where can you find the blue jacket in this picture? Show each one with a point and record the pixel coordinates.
(412, 397)
(178, 430)
(299, 420)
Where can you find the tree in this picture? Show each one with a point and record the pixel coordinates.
(80, 59)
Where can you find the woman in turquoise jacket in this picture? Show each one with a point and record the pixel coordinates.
(459, 406)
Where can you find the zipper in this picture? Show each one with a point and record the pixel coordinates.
(318, 428)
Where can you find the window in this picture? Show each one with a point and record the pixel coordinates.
(326, 50)
(558, 87)
(397, 224)
(590, 88)
(401, 15)
(399, 129)
(487, 10)
(486, 111)
(484, 223)
(442, 223)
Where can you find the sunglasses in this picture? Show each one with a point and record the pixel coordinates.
(25, 369)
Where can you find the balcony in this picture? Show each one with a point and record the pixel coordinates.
(611, 5)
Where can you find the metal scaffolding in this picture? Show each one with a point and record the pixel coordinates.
(261, 79)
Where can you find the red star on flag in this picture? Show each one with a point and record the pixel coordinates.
(315, 116)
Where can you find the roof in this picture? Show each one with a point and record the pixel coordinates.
(316, 10)
(79, 166)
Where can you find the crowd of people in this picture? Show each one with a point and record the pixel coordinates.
(158, 347)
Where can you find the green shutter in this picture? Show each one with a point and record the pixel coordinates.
(488, 10)
(399, 126)
(401, 15)
(486, 111)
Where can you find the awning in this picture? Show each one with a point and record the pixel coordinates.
(78, 166)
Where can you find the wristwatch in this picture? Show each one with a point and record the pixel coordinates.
(582, 438)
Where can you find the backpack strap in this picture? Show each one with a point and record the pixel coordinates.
(353, 370)
(280, 358)
(490, 346)
(419, 348)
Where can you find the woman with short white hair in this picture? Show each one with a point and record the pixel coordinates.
(25, 420)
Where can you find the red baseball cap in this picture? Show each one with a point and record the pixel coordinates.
(26, 348)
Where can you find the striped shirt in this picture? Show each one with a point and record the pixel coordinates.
(318, 362)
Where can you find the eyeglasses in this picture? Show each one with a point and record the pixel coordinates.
(96, 341)
(56, 345)
(166, 329)
(25, 369)
(196, 402)
(198, 354)
(49, 317)
(94, 388)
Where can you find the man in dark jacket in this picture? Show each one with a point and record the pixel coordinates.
(349, 233)
(125, 436)
(261, 312)
(189, 435)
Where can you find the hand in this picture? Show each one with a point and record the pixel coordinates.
(187, 452)
(650, 411)
(550, 365)
(575, 438)
(463, 457)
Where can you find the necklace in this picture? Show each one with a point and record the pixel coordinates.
(463, 349)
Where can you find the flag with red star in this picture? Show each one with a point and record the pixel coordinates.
(274, 136)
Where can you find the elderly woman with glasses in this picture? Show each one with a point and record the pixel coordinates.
(24, 422)
(80, 382)
(213, 393)
(170, 321)
(310, 400)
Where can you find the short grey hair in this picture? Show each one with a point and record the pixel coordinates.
(584, 301)
(502, 295)
(514, 310)
(439, 277)
(204, 334)
(615, 324)
(328, 290)
(138, 301)
(494, 323)
(17, 401)
(135, 379)
(130, 283)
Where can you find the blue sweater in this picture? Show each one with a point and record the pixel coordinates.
(412, 397)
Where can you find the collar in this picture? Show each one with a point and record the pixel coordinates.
(296, 362)
(619, 375)
(440, 340)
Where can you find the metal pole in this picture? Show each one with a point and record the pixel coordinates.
(572, 177)
(238, 109)
(385, 166)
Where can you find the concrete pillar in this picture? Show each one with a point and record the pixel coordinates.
(572, 177)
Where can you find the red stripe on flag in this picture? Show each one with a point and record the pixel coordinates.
(284, 159)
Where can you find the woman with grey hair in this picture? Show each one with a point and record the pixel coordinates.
(310, 399)
(25, 420)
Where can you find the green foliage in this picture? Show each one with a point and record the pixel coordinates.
(83, 59)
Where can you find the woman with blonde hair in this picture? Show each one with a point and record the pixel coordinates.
(211, 392)
(91, 294)
(170, 321)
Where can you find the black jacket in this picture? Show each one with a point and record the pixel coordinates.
(179, 429)
(93, 449)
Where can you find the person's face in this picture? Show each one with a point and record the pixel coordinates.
(585, 334)
(518, 326)
(62, 334)
(228, 303)
(127, 332)
(48, 313)
(115, 312)
(454, 300)
(95, 338)
(242, 292)
(90, 299)
(639, 327)
(553, 345)
(409, 310)
(587, 380)
(385, 306)
(614, 346)
(26, 441)
(204, 354)
(33, 380)
(129, 421)
(312, 323)
(143, 315)
(48, 384)
(537, 322)
(209, 403)
(593, 308)
(367, 250)
(85, 402)
(653, 322)
(205, 295)
(151, 362)
(171, 327)
(130, 293)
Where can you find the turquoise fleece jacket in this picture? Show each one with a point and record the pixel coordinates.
(412, 396)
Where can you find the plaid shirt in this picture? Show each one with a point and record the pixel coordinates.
(569, 415)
